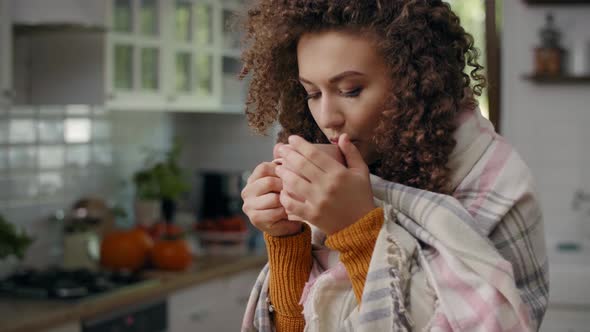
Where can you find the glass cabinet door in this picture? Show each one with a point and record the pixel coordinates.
(193, 52)
(149, 18)
(123, 67)
(204, 74)
(183, 63)
(150, 67)
(136, 45)
(123, 16)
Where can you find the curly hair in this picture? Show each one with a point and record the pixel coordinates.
(426, 51)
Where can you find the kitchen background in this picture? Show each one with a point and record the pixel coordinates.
(88, 90)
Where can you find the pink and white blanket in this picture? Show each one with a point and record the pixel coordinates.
(473, 261)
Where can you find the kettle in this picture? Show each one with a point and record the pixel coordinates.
(84, 226)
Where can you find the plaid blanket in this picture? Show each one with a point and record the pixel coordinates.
(473, 261)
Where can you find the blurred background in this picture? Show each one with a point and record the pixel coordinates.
(124, 148)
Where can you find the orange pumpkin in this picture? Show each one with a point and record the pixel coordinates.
(171, 254)
(125, 249)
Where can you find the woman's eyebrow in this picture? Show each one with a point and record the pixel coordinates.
(336, 78)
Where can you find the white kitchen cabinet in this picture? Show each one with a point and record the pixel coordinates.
(153, 55)
(135, 54)
(194, 55)
(213, 306)
(5, 51)
(172, 55)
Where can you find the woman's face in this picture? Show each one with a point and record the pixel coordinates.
(347, 85)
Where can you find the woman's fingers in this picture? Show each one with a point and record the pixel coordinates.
(299, 164)
(293, 206)
(263, 170)
(318, 157)
(293, 183)
(262, 219)
(264, 202)
(262, 186)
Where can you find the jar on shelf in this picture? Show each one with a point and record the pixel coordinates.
(549, 56)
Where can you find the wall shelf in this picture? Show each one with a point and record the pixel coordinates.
(557, 2)
(543, 79)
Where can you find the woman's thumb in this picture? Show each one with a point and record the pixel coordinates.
(353, 156)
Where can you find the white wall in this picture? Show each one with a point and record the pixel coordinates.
(221, 142)
(547, 124)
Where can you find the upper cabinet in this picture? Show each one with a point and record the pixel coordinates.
(5, 52)
(171, 55)
(136, 53)
(174, 55)
(59, 13)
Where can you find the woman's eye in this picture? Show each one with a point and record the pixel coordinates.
(312, 96)
(352, 93)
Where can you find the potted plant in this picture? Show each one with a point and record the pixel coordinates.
(160, 183)
(13, 246)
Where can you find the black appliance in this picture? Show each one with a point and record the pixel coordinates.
(148, 317)
(220, 194)
(59, 283)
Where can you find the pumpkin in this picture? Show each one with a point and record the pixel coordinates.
(162, 229)
(171, 254)
(125, 249)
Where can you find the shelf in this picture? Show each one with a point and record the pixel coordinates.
(541, 79)
(557, 2)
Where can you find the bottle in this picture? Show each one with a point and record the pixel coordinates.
(549, 56)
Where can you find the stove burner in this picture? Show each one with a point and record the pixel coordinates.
(64, 284)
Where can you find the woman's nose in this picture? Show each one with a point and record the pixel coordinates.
(330, 114)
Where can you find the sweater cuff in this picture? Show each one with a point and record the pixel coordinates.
(358, 236)
(290, 264)
(356, 244)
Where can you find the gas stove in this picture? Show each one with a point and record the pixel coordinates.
(59, 283)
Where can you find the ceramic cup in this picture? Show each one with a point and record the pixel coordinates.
(330, 149)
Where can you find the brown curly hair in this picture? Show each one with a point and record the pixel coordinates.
(426, 50)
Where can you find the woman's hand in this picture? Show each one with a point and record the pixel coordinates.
(262, 204)
(319, 189)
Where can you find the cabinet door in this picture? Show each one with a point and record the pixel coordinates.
(214, 306)
(233, 90)
(238, 289)
(5, 52)
(135, 54)
(201, 308)
(194, 56)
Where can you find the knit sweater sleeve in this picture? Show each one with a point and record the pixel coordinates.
(290, 264)
(355, 244)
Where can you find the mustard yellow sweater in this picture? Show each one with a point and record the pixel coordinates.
(290, 264)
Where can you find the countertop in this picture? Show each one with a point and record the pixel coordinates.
(26, 315)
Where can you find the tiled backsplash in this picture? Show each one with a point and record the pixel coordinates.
(49, 157)
(52, 153)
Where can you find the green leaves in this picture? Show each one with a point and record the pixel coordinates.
(11, 241)
(161, 179)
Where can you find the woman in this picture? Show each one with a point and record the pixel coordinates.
(432, 224)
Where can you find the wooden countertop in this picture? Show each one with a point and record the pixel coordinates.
(26, 315)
